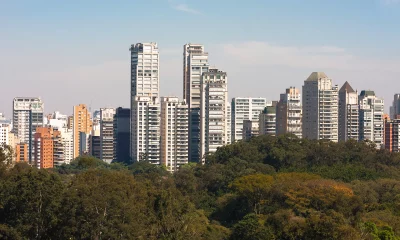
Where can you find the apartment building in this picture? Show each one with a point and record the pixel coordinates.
(174, 133)
(27, 116)
(371, 111)
(245, 108)
(348, 113)
(267, 120)
(195, 63)
(215, 112)
(82, 125)
(320, 108)
(289, 113)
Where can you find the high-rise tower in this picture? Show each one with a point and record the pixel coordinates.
(145, 104)
(174, 133)
(195, 63)
(320, 108)
(348, 113)
(371, 117)
(107, 134)
(82, 127)
(27, 116)
(215, 112)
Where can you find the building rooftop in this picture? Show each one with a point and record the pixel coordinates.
(269, 109)
(315, 76)
(367, 93)
(346, 88)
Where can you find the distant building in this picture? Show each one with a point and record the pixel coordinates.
(267, 120)
(245, 108)
(107, 134)
(95, 146)
(320, 108)
(122, 135)
(60, 122)
(395, 108)
(4, 133)
(371, 118)
(145, 128)
(215, 112)
(348, 113)
(27, 116)
(289, 113)
(250, 129)
(82, 126)
(145, 103)
(392, 135)
(22, 153)
(195, 63)
(174, 133)
(48, 151)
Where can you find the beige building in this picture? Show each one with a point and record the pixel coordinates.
(215, 112)
(174, 133)
(289, 113)
(320, 108)
(82, 125)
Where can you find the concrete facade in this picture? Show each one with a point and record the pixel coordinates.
(289, 113)
(215, 112)
(320, 108)
(348, 113)
(174, 133)
(245, 108)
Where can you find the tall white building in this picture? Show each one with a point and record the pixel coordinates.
(348, 113)
(27, 116)
(145, 106)
(245, 108)
(67, 139)
(107, 134)
(174, 133)
(195, 63)
(145, 130)
(371, 118)
(145, 70)
(289, 113)
(215, 112)
(320, 108)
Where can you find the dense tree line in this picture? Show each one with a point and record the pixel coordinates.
(266, 188)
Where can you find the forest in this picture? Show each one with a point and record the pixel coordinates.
(265, 188)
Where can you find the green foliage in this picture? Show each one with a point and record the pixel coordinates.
(251, 228)
(265, 188)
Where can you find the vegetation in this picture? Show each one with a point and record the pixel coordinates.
(267, 188)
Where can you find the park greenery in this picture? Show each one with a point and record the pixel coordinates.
(265, 188)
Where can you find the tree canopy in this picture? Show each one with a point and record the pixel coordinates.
(265, 188)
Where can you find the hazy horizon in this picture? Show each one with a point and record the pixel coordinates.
(71, 52)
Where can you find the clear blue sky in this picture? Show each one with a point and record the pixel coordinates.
(71, 52)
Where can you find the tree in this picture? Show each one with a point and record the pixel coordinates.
(255, 188)
(251, 228)
(30, 202)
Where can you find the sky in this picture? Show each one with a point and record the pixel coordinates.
(71, 52)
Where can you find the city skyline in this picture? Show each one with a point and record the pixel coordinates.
(60, 56)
